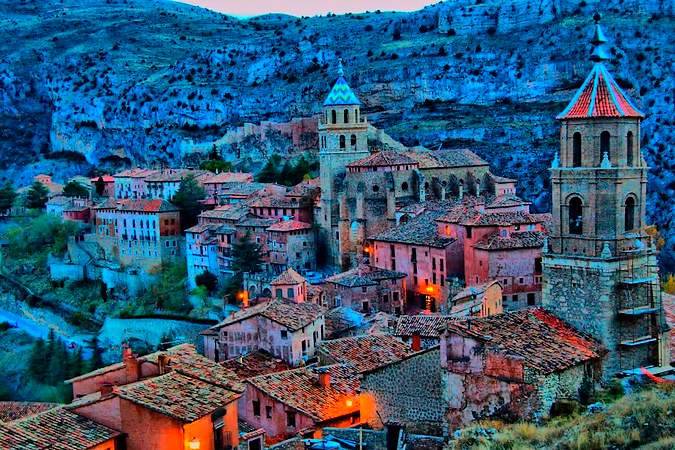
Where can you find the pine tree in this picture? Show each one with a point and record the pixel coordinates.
(37, 364)
(268, 174)
(7, 197)
(75, 189)
(37, 196)
(96, 361)
(188, 198)
(76, 363)
(100, 186)
(56, 371)
(246, 255)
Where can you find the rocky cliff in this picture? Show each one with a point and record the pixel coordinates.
(90, 84)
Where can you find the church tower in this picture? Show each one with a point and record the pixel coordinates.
(343, 138)
(599, 265)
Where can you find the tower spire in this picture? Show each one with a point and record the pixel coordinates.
(599, 42)
(341, 72)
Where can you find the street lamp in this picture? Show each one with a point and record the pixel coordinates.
(194, 444)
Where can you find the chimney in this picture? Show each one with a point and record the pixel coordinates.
(106, 389)
(132, 366)
(324, 378)
(163, 363)
(416, 342)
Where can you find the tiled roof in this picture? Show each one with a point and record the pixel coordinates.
(364, 275)
(203, 227)
(273, 201)
(289, 225)
(300, 389)
(229, 177)
(242, 189)
(15, 410)
(289, 276)
(173, 175)
(106, 179)
(306, 187)
(289, 314)
(64, 430)
(260, 222)
(145, 205)
(341, 94)
(544, 342)
(176, 395)
(459, 157)
(231, 212)
(600, 96)
(424, 325)
(517, 239)
(13, 438)
(255, 364)
(383, 159)
(420, 230)
(506, 201)
(134, 173)
(471, 291)
(365, 353)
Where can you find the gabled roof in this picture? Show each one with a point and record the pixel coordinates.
(383, 159)
(182, 397)
(10, 411)
(228, 177)
(288, 276)
(300, 389)
(364, 275)
(254, 364)
(544, 342)
(420, 230)
(600, 96)
(515, 240)
(341, 94)
(62, 429)
(289, 314)
(458, 157)
(146, 205)
(365, 353)
(289, 225)
(424, 325)
(13, 438)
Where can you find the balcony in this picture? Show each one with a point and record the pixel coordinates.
(638, 311)
(638, 341)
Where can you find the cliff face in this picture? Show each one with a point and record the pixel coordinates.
(96, 83)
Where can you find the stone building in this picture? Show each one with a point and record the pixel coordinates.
(166, 182)
(130, 183)
(478, 301)
(288, 330)
(600, 270)
(290, 285)
(367, 288)
(291, 243)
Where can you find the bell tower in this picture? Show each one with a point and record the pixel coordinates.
(599, 266)
(343, 138)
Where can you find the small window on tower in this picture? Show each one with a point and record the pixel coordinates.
(576, 218)
(353, 140)
(576, 150)
(604, 145)
(342, 141)
(346, 116)
(629, 148)
(629, 213)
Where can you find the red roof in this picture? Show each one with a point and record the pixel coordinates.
(289, 225)
(105, 178)
(600, 96)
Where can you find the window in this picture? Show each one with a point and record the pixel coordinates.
(290, 419)
(284, 334)
(576, 216)
(279, 293)
(576, 150)
(404, 186)
(268, 412)
(468, 232)
(413, 254)
(346, 116)
(530, 299)
(364, 289)
(291, 293)
(629, 148)
(629, 214)
(514, 298)
(342, 141)
(333, 116)
(353, 140)
(537, 265)
(256, 408)
(604, 144)
(376, 188)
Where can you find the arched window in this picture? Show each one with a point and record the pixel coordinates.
(342, 141)
(576, 219)
(629, 148)
(604, 145)
(376, 188)
(629, 214)
(356, 115)
(346, 116)
(333, 116)
(404, 186)
(353, 140)
(576, 150)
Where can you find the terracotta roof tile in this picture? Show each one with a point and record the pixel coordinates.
(13, 438)
(515, 240)
(229, 177)
(174, 175)
(424, 325)
(289, 276)
(145, 205)
(384, 159)
(176, 395)
(459, 157)
(289, 314)
(15, 410)
(364, 275)
(544, 342)
(300, 389)
(255, 364)
(289, 225)
(420, 230)
(365, 353)
(65, 430)
(134, 173)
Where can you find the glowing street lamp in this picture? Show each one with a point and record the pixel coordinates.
(194, 444)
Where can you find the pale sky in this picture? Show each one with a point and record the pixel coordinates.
(307, 7)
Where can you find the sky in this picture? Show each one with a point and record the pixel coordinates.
(307, 7)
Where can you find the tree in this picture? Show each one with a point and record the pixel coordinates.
(37, 362)
(246, 255)
(208, 280)
(37, 196)
(96, 361)
(75, 189)
(269, 174)
(188, 199)
(487, 186)
(7, 197)
(471, 184)
(99, 184)
(216, 166)
(58, 360)
(76, 363)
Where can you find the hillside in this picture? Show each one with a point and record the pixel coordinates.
(101, 84)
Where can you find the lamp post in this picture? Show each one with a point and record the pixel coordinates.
(194, 444)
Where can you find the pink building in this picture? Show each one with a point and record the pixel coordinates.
(302, 400)
(216, 184)
(367, 289)
(416, 249)
(290, 285)
(288, 330)
(283, 208)
(291, 244)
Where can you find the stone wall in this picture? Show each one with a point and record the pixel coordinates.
(408, 392)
